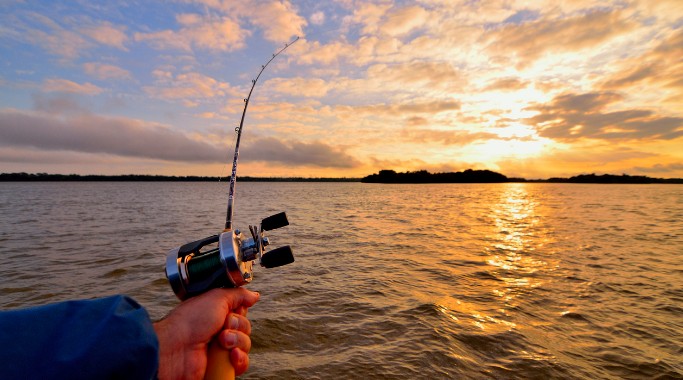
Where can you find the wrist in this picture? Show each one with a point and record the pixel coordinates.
(166, 351)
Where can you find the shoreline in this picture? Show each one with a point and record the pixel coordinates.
(383, 177)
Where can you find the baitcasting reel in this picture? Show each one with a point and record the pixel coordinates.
(192, 270)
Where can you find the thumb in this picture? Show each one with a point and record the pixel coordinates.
(235, 298)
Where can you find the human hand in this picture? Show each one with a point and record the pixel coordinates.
(184, 335)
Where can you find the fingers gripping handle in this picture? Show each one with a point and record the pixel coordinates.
(218, 366)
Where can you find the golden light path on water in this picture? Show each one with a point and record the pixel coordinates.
(514, 229)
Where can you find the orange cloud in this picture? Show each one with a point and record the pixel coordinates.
(313, 87)
(429, 74)
(208, 33)
(279, 20)
(401, 109)
(659, 67)
(529, 41)
(445, 137)
(402, 21)
(506, 84)
(188, 86)
(369, 15)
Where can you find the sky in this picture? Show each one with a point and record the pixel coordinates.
(532, 89)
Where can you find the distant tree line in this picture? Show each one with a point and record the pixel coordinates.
(25, 177)
(384, 176)
(423, 176)
(610, 178)
(487, 176)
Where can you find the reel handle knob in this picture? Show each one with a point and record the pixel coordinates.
(277, 257)
(274, 222)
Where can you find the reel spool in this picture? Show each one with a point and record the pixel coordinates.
(193, 269)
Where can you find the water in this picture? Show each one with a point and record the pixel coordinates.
(533, 281)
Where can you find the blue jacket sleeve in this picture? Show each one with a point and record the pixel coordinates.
(106, 338)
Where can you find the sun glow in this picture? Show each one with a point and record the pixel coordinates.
(513, 148)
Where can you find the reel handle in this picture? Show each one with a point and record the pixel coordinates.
(218, 365)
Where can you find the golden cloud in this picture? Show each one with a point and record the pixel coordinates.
(446, 137)
(402, 21)
(529, 41)
(660, 67)
(506, 84)
(428, 74)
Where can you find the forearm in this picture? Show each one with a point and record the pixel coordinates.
(102, 338)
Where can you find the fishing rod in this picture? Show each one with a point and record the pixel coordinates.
(233, 176)
(226, 259)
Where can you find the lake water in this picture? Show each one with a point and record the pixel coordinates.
(529, 281)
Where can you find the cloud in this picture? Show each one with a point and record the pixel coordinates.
(93, 134)
(188, 86)
(296, 153)
(107, 34)
(201, 32)
(369, 15)
(64, 85)
(314, 87)
(279, 20)
(62, 104)
(104, 71)
(97, 134)
(529, 41)
(660, 168)
(397, 109)
(317, 18)
(313, 52)
(660, 66)
(69, 40)
(453, 137)
(56, 39)
(506, 84)
(571, 116)
(27, 155)
(428, 74)
(403, 21)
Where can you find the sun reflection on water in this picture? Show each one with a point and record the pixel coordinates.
(517, 262)
(517, 234)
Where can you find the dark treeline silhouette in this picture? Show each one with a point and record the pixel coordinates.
(423, 176)
(487, 176)
(610, 178)
(156, 178)
(384, 176)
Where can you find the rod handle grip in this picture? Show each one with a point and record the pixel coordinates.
(218, 366)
